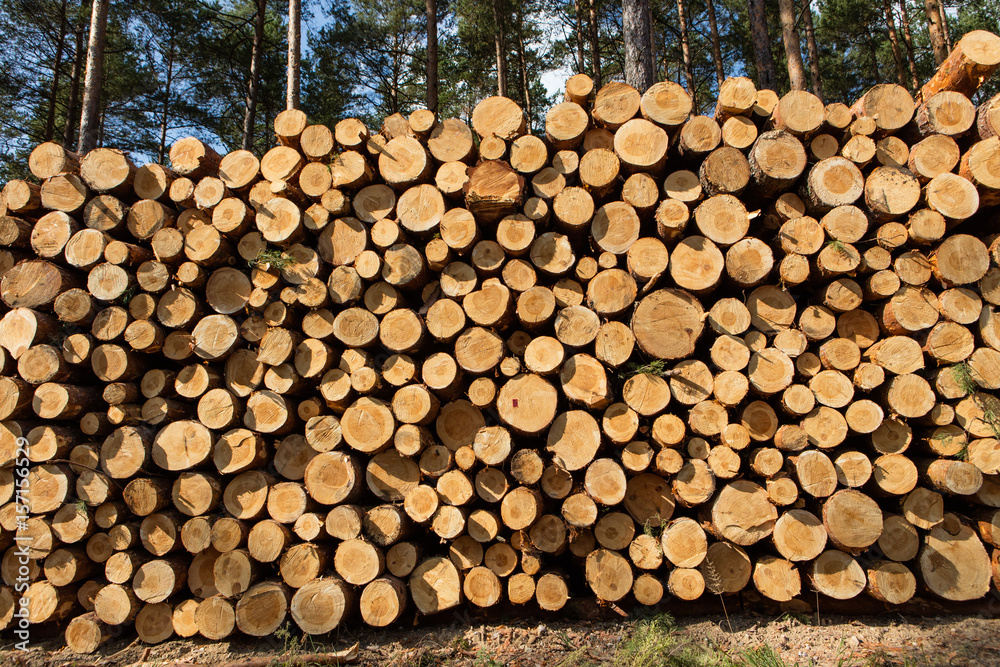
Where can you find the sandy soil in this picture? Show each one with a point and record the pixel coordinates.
(842, 641)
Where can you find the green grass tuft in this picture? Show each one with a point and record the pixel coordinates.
(963, 374)
(762, 656)
(273, 258)
(656, 642)
(655, 367)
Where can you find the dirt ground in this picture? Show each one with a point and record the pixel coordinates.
(601, 637)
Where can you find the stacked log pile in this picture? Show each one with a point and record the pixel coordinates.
(647, 355)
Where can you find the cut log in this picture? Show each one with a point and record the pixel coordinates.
(435, 585)
(614, 104)
(838, 575)
(832, 182)
(973, 60)
(799, 112)
(953, 542)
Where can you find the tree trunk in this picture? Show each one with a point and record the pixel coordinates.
(94, 76)
(500, 40)
(944, 27)
(686, 50)
(253, 86)
(432, 56)
(766, 77)
(394, 87)
(873, 47)
(580, 59)
(595, 45)
(166, 100)
(294, 53)
(525, 85)
(638, 57)
(651, 42)
(69, 131)
(936, 32)
(897, 54)
(793, 52)
(817, 79)
(908, 38)
(50, 120)
(720, 72)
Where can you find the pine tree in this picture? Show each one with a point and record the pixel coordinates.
(766, 76)
(790, 39)
(638, 52)
(90, 120)
(294, 54)
(432, 55)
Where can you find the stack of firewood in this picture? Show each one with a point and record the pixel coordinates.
(371, 374)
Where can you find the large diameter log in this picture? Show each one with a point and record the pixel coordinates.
(50, 159)
(21, 196)
(971, 62)
(262, 609)
(852, 520)
(609, 575)
(215, 618)
(668, 323)
(35, 283)
(191, 158)
(837, 575)
(776, 578)
(953, 562)
(980, 166)
(641, 146)
(799, 112)
(108, 170)
(889, 105)
(65, 192)
(22, 327)
(182, 445)
(832, 182)
(959, 260)
(116, 604)
(319, 606)
(527, 403)
(742, 513)
(498, 117)
(493, 190)
(776, 160)
(948, 113)
(435, 585)
(891, 582)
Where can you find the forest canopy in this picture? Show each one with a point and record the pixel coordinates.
(174, 68)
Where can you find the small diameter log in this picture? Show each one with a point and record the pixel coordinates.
(891, 582)
(86, 633)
